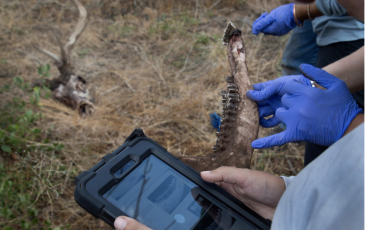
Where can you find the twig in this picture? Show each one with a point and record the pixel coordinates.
(291, 166)
(144, 57)
(66, 179)
(186, 62)
(125, 81)
(110, 90)
(214, 4)
(258, 46)
(32, 56)
(196, 9)
(159, 123)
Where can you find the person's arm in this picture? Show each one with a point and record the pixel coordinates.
(319, 8)
(282, 19)
(259, 191)
(310, 114)
(301, 11)
(358, 120)
(349, 69)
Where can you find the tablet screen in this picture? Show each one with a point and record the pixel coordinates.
(160, 197)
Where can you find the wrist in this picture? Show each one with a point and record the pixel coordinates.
(297, 22)
(304, 10)
(358, 120)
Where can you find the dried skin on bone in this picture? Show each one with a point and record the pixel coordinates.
(240, 118)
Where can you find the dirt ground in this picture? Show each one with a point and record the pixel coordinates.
(158, 66)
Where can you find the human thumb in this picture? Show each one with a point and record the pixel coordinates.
(318, 75)
(126, 223)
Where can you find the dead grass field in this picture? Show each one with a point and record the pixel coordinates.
(158, 66)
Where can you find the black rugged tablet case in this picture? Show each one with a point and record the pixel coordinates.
(92, 184)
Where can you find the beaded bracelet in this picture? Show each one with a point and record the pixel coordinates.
(295, 18)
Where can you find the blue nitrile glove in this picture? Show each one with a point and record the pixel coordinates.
(312, 114)
(279, 22)
(268, 97)
(215, 120)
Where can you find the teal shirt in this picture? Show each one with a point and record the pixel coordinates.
(336, 25)
(329, 192)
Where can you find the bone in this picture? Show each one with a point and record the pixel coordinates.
(223, 133)
(215, 149)
(233, 95)
(225, 126)
(223, 93)
(229, 79)
(224, 140)
(232, 90)
(234, 100)
(233, 146)
(227, 32)
(231, 112)
(227, 119)
(232, 85)
(231, 106)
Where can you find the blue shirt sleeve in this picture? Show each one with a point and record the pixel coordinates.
(330, 7)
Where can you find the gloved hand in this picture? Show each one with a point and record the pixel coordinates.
(311, 114)
(279, 22)
(268, 97)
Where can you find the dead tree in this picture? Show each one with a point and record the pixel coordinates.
(69, 88)
(240, 118)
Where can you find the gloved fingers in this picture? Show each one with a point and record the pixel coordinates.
(266, 111)
(273, 140)
(319, 75)
(262, 24)
(304, 80)
(268, 123)
(293, 87)
(275, 102)
(254, 30)
(271, 30)
(261, 85)
(282, 114)
(263, 94)
(262, 104)
(288, 100)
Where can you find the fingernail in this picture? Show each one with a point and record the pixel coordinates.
(120, 223)
(205, 172)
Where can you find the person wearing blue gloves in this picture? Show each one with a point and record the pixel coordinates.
(337, 35)
(319, 116)
(329, 192)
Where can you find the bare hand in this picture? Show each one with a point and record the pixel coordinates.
(259, 191)
(126, 223)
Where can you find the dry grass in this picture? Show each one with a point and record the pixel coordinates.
(158, 68)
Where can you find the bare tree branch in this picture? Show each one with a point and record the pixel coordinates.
(49, 54)
(77, 32)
